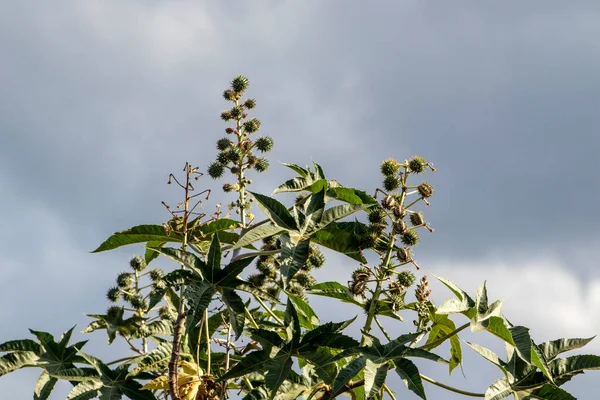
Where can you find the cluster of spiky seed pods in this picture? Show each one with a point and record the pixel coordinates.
(394, 221)
(269, 277)
(236, 150)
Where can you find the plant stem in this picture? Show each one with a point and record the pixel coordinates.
(250, 318)
(431, 345)
(208, 361)
(382, 330)
(388, 391)
(450, 388)
(268, 310)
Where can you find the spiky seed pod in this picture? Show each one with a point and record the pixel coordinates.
(409, 237)
(216, 170)
(417, 164)
(304, 279)
(159, 284)
(234, 154)
(377, 215)
(124, 280)
(361, 274)
(367, 306)
(262, 164)
(296, 290)
(236, 112)
(395, 289)
(252, 125)
(390, 167)
(127, 296)
(257, 280)
(264, 144)
(357, 288)
(235, 170)
(397, 303)
(403, 254)
(391, 183)
(226, 115)
(239, 84)
(388, 202)
(113, 311)
(268, 269)
(156, 274)
(316, 257)
(229, 130)
(165, 313)
(406, 278)
(250, 104)
(113, 294)
(223, 144)
(425, 189)
(417, 218)
(375, 229)
(228, 187)
(138, 302)
(273, 290)
(229, 95)
(137, 263)
(399, 227)
(399, 211)
(367, 241)
(222, 158)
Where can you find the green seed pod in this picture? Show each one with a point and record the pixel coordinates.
(406, 278)
(395, 289)
(316, 257)
(124, 280)
(226, 115)
(113, 311)
(273, 291)
(399, 227)
(215, 170)
(391, 182)
(138, 302)
(304, 279)
(262, 164)
(165, 313)
(388, 202)
(235, 170)
(357, 288)
(113, 294)
(361, 274)
(257, 280)
(375, 229)
(367, 306)
(250, 104)
(159, 285)
(409, 237)
(377, 215)
(417, 218)
(367, 241)
(390, 167)
(229, 130)
(127, 296)
(222, 158)
(296, 290)
(234, 154)
(137, 263)
(229, 95)
(236, 112)
(417, 164)
(252, 125)
(264, 144)
(228, 187)
(239, 84)
(425, 189)
(223, 144)
(403, 254)
(267, 268)
(156, 274)
(398, 211)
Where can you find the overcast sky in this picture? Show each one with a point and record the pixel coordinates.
(101, 99)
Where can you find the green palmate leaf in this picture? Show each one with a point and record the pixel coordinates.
(375, 375)
(325, 329)
(420, 353)
(347, 373)
(314, 212)
(293, 255)
(453, 306)
(187, 259)
(562, 367)
(232, 270)
(317, 186)
(319, 174)
(442, 327)
(257, 233)
(467, 303)
(539, 360)
(151, 252)
(85, 391)
(279, 368)
(340, 237)
(179, 277)
(160, 328)
(138, 234)
(298, 169)
(335, 290)
(498, 390)
(409, 373)
(310, 319)
(267, 339)
(488, 355)
(522, 341)
(199, 295)
(556, 347)
(21, 345)
(350, 195)
(255, 361)
(113, 324)
(292, 323)
(17, 360)
(293, 185)
(275, 211)
(551, 392)
(157, 359)
(44, 386)
(391, 350)
(77, 374)
(336, 213)
(497, 326)
(319, 359)
(236, 311)
(56, 357)
(481, 320)
(213, 258)
(481, 299)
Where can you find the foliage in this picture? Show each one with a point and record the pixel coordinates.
(209, 326)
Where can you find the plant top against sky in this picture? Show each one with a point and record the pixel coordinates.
(233, 317)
